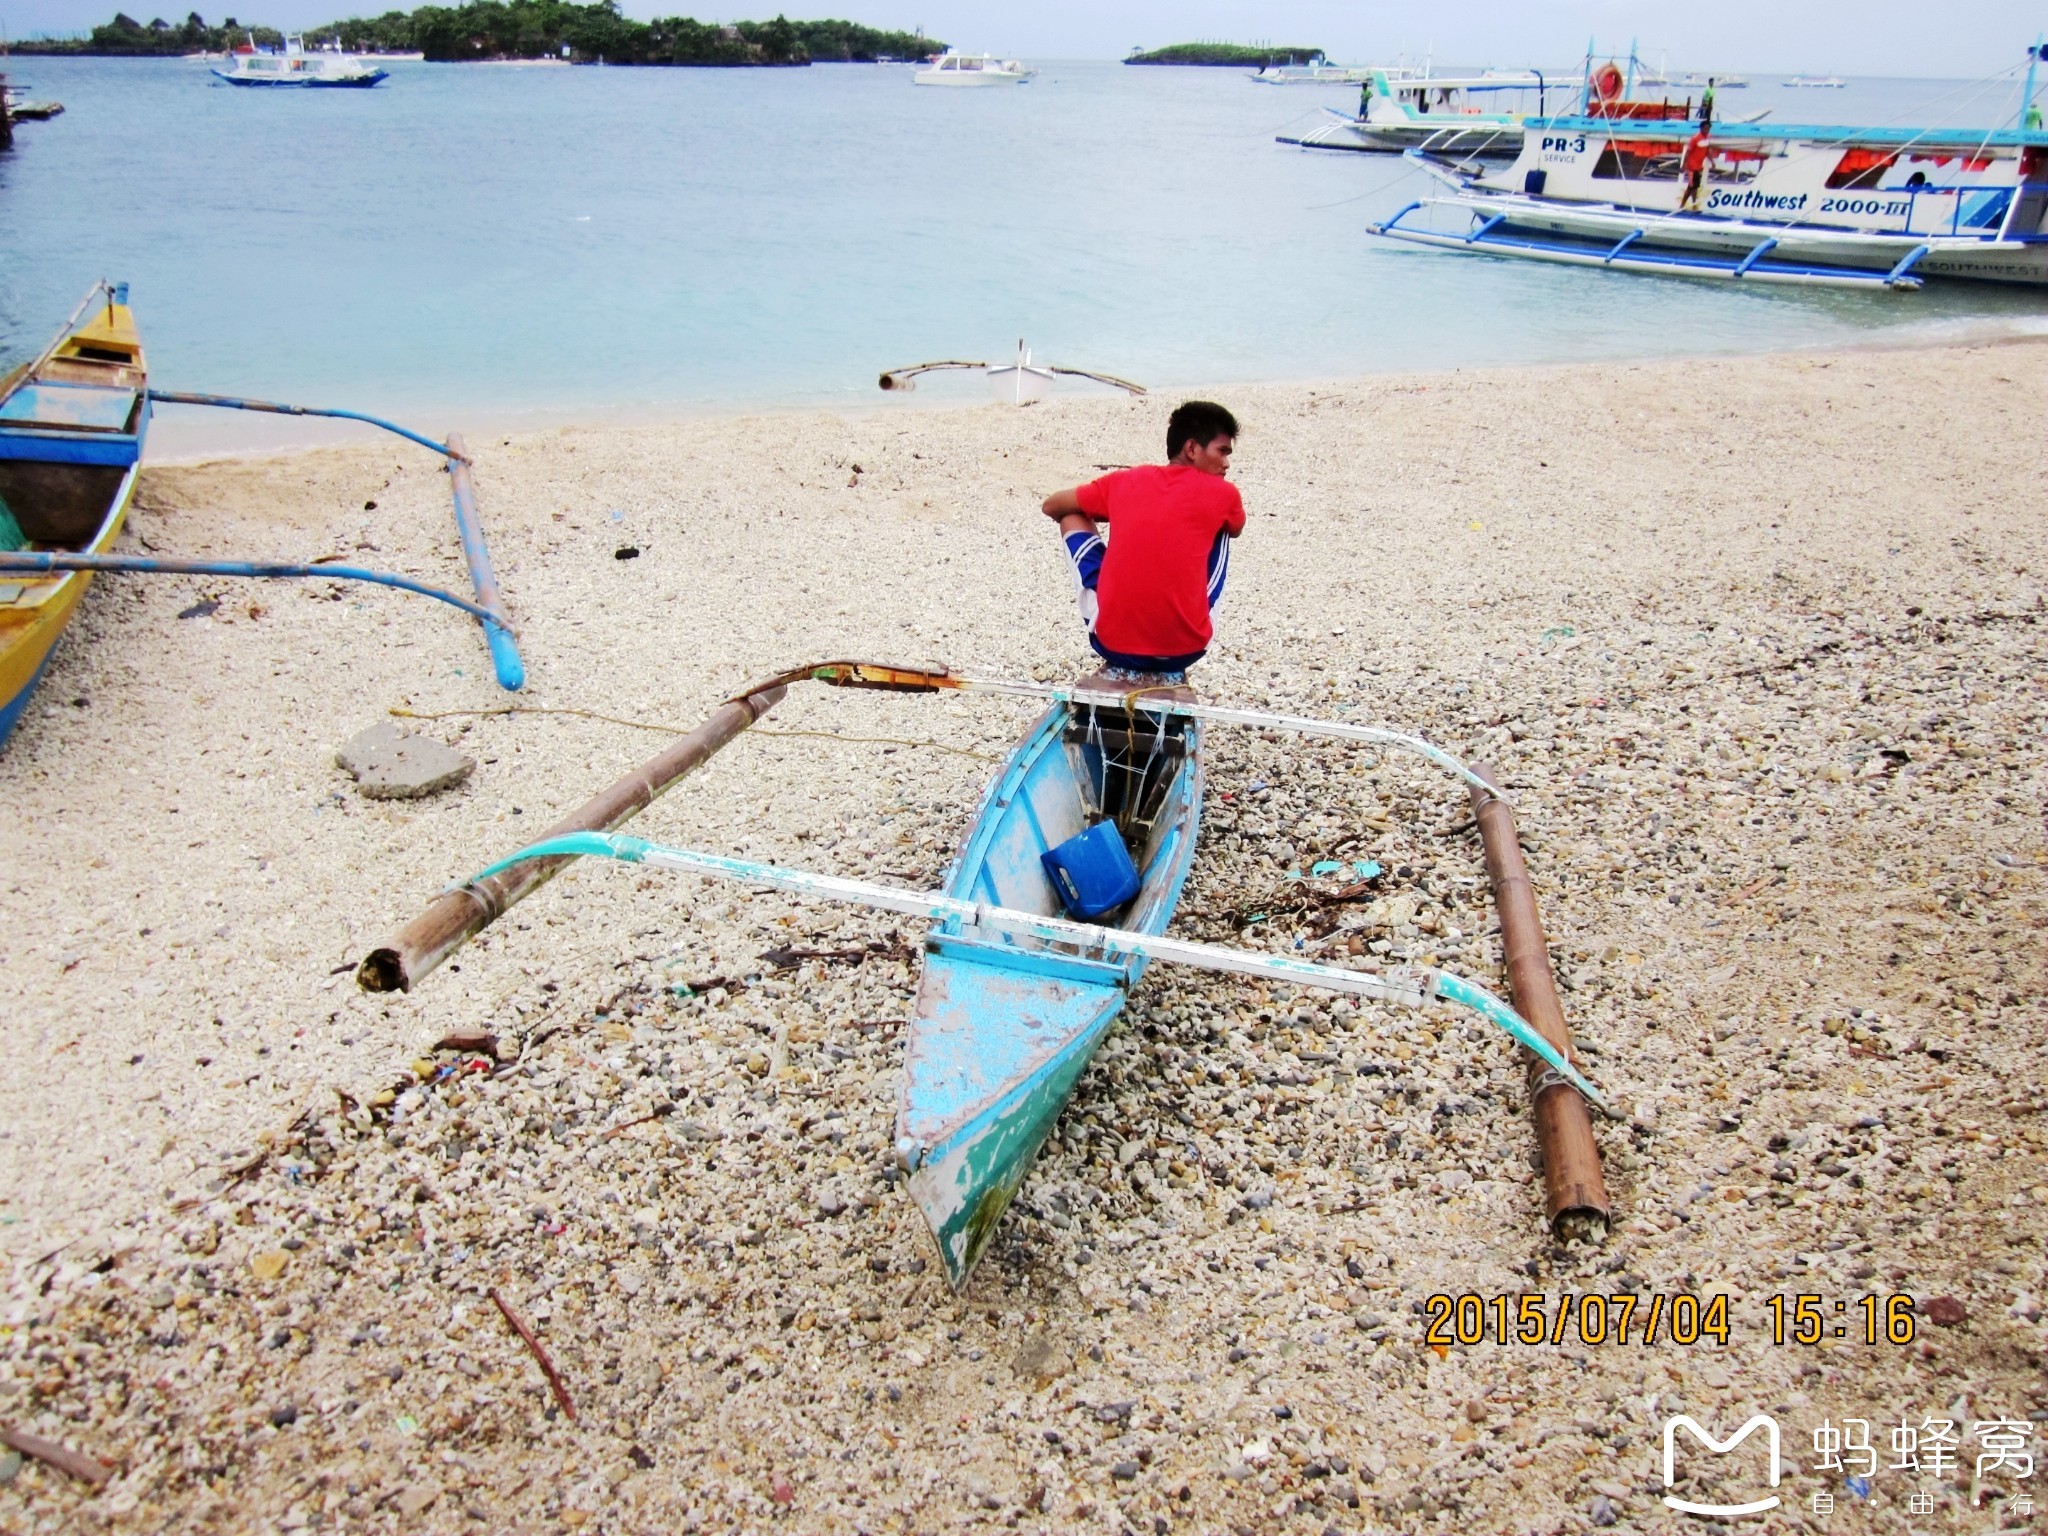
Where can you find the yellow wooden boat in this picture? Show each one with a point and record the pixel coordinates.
(71, 429)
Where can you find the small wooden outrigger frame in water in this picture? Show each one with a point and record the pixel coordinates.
(1014, 997)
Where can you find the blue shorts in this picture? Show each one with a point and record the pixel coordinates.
(1086, 550)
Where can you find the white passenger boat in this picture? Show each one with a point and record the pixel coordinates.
(1315, 72)
(295, 67)
(1865, 207)
(1467, 117)
(1815, 83)
(950, 68)
(1457, 116)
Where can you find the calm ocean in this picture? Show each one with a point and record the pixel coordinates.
(474, 243)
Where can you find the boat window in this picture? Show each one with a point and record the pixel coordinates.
(1861, 168)
(1638, 160)
(1986, 210)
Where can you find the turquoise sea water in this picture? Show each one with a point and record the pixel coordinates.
(487, 243)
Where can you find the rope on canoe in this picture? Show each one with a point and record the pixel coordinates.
(670, 730)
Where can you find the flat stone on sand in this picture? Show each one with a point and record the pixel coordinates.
(390, 764)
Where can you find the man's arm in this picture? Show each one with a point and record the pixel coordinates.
(1067, 503)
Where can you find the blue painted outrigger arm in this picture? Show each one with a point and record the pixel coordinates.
(1414, 989)
(489, 606)
(37, 562)
(1756, 254)
(1907, 263)
(278, 408)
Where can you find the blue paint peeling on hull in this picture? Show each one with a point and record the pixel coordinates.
(1002, 1030)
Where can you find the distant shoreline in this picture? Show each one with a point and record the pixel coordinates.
(484, 32)
(1225, 56)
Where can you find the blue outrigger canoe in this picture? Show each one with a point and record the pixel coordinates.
(1016, 994)
(1005, 1024)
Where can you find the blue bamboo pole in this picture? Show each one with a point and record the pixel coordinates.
(504, 651)
(505, 659)
(48, 563)
(276, 408)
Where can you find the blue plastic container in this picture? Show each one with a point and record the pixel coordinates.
(1093, 872)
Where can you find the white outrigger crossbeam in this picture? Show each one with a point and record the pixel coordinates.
(1153, 699)
(1413, 988)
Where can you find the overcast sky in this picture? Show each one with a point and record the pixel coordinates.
(1869, 37)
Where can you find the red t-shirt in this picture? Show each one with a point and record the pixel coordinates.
(1152, 598)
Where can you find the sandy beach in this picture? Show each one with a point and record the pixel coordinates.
(1759, 644)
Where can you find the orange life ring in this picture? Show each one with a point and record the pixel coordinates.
(1607, 81)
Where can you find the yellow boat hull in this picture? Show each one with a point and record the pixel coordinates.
(30, 630)
(71, 431)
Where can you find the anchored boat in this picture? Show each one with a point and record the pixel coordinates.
(1856, 207)
(951, 68)
(1462, 116)
(1020, 381)
(71, 429)
(297, 68)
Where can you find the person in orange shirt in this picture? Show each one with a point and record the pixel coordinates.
(1146, 592)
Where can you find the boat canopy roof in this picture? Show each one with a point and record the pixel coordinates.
(1520, 80)
(1952, 139)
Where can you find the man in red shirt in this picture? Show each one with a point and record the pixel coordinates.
(1146, 594)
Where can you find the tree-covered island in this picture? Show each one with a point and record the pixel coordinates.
(1233, 54)
(523, 29)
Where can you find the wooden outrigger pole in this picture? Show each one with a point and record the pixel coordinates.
(458, 914)
(1573, 1187)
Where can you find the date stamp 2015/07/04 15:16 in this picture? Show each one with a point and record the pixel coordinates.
(1625, 1317)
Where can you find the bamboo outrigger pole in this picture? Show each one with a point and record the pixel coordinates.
(457, 915)
(489, 607)
(1573, 1187)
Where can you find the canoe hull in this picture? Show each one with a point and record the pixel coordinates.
(1002, 1031)
(72, 427)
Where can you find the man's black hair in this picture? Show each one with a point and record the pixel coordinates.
(1198, 421)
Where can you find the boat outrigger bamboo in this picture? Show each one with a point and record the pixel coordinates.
(72, 425)
(1021, 382)
(1022, 974)
(489, 607)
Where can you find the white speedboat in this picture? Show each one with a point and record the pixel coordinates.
(295, 67)
(1815, 83)
(1851, 206)
(950, 68)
